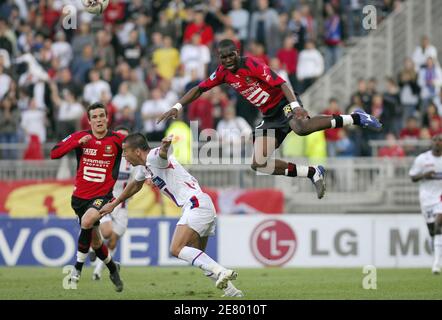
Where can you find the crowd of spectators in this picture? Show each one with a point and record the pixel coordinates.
(139, 56)
(409, 106)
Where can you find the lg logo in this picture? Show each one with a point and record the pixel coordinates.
(273, 243)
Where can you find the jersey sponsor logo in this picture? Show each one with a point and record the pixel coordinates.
(266, 75)
(213, 76)
(98, 202)
(235, 85)
(67, 138)
(89, 152)
(273, 243)
(160, 183)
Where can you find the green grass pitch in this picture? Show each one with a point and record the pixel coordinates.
(188, 283)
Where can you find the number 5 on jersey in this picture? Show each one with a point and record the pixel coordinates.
(94, 174)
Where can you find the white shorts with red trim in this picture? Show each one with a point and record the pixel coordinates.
(200, 215)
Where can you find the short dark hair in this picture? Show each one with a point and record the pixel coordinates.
(96, 105)
(137, 140)
(227, 43)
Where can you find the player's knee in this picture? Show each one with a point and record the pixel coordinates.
(87, 222)
(301, 129)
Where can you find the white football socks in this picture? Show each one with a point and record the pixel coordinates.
(347, 120)
(301, 171)
(437, 248)
(81, 257)
(199, 259)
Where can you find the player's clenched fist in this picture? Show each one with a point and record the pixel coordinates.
(167, 140)
(84, 140)
(172, 113)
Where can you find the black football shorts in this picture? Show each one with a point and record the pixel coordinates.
(80, 206)
(277, 119)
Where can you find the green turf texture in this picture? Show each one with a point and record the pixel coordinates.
(188, 283)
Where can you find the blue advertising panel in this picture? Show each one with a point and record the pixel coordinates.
(53, 242)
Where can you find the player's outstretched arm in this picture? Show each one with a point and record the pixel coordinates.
(67, 144)
(133, 187)
(188, 97)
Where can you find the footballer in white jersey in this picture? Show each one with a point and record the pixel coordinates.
(198, 220)
(113, 226)
(427, 169)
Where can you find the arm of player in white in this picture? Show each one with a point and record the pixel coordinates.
(132, 188)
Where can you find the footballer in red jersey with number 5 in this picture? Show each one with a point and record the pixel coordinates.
(98, 154)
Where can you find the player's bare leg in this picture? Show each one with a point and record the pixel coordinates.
(437, 243)
(303, 126)
(263, 148)
(186, 245)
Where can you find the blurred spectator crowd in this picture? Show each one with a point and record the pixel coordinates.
(409, 106)
(140, 56)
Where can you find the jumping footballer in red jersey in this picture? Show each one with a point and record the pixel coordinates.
(281, 108)
(98, 160)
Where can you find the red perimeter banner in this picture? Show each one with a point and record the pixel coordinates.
(29, 199)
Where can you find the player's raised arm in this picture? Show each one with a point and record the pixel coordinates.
(215, 79)
(165, 145)
(188, 97)
(132, 188)
(69, 143)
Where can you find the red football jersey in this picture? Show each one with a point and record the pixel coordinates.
(254, 80)
(98, 162)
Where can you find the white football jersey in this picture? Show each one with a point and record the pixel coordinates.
(169, 176)
(123, 178)
(430, 191)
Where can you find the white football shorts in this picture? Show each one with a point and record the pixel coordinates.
(119, 220)
(200, 215)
